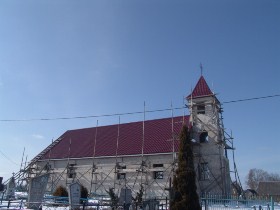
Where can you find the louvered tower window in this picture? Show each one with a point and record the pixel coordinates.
(201, 109)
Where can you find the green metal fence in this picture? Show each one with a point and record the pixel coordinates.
(217, 202)
(208, 202)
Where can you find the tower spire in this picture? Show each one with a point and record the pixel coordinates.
(201, 89)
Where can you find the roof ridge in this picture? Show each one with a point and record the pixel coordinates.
(140, 121)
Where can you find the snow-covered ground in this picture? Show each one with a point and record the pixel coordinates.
(256, 207)
(17, 204)
(20, 204)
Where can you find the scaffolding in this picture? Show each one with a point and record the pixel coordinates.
(135, 172)
(207, 122)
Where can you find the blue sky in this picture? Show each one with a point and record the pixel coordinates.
(71, 58)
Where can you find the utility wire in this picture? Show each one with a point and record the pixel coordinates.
(89, 116)
(250, 99)
(5, 156)
(127, 113)
(119, 114)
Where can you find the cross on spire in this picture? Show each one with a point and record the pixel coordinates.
(201, 69)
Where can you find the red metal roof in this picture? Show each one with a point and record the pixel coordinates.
(201, 89)
(80, 143)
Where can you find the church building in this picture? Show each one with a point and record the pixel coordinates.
(141, 154)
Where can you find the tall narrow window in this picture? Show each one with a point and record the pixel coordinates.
(201, 109)
(71, 174)
(204, 173)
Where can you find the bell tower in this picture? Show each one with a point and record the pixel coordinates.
(212, 165)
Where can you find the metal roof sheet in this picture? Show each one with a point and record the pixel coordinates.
(81, 143)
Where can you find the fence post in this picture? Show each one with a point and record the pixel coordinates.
(21, 202)
(272, 203)
(2, 196)
(9, 202)
(84, 204)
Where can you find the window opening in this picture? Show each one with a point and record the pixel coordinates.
(71, 171)
(121, 175)
(158, 174)
(203, 137)
(204, 173)
(157, 165)
(201, 109)
(121, 166)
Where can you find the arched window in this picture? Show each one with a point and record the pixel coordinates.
(203, 137)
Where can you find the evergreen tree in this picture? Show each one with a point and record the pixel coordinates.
(184, 180)
(114, 198)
